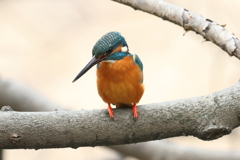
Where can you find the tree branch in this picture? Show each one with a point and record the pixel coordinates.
(209, 30)
(22, 98)
(1, 154)
(167, 150)
(207, 117)
(148, 151)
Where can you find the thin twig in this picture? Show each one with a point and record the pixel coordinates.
(209, 30)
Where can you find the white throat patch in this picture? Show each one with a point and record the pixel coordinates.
(109, 61)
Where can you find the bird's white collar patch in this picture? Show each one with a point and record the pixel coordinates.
(109, 61)
(124, 49)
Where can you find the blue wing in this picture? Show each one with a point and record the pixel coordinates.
(138, 61)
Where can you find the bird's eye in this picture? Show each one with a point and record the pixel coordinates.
(109, 51)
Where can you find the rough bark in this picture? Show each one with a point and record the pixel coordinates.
(149, 150)
(162, 150)
(209, 30)
(207, 117)
(23, 98)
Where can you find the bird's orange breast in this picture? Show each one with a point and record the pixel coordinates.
(120, 82)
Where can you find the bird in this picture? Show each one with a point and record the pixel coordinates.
(119, 73)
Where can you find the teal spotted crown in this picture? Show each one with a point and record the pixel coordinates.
(108, 42)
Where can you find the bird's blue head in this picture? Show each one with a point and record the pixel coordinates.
(108, 43)
(104, 48)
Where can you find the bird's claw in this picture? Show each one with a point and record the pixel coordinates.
(134, 111)
(110, 111)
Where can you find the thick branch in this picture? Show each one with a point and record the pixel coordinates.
(167, 150)
(22, 98)
(149, 151)
(207, 117)
(208, 29)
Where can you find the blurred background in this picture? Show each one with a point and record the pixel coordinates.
(44, 44)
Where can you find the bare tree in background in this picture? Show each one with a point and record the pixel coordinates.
(207, 117)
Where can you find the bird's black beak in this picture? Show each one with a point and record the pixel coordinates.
(90, 64)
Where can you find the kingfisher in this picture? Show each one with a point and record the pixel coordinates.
(119, 73)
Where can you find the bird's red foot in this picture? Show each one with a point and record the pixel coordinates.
(110, 111)
(134, 110)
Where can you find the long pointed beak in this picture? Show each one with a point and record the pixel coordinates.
(90, 64)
